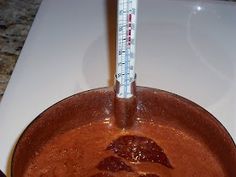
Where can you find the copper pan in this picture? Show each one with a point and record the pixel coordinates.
(85, 107)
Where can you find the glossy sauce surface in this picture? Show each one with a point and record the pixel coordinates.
(148, 149)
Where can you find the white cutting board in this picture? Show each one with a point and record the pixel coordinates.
(184, 47)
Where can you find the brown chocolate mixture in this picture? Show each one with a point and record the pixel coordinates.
(146, 150)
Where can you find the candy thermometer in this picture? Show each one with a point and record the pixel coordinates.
(125, 54)
(125, 102)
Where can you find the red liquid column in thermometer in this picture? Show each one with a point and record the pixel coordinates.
(125, 58)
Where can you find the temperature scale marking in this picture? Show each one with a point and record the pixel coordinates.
(125, 57)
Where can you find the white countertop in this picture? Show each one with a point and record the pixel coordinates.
(186, 47)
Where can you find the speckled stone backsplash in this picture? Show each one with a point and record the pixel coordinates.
(16, 17)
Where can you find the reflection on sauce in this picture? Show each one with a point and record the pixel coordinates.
(133, 149)
(139, 149)
(113, 164)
